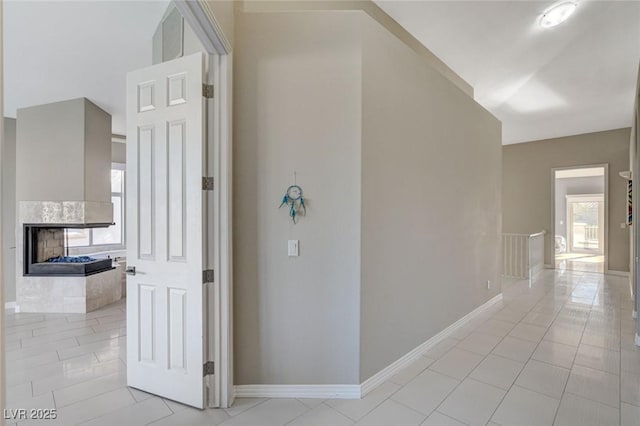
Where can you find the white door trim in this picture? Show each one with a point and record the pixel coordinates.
(219, 162)
(606, 209)
(2, 318)
(205, 25)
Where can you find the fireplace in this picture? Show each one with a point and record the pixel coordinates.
(63, 188)
(46, 253)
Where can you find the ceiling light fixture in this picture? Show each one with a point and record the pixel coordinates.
(557, 14)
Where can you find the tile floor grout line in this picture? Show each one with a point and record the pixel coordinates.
(243, 411)
(380, 403)
(467, 376)
(338, 412)
(296, 417)
(413, 409)
(446, 397)
(94, 395)
(591, 400)
(376, 406)
(84, 380)
(529, 359)
(164, 402)
(446, 415)
(620, 374)
(573, 363)
(61, 360)
(85, 421)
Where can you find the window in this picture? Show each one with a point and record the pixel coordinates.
(111, 236)
(585, 220)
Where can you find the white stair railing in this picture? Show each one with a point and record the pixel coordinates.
(591, 232)
(522, 254)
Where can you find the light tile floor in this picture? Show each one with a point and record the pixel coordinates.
(556, 351)
(580, 262)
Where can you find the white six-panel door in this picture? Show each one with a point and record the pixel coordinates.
(165, 230)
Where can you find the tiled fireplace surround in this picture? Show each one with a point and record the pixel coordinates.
(62, 294)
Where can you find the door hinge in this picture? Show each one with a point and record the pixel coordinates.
(207, 276)
(207, 90)
(207, 184)
(208, 368)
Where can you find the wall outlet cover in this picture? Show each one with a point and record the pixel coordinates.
(293, 248)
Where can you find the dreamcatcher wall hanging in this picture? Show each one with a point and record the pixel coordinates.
(294, 200)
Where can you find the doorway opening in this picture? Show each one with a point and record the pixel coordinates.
(580, 217)
(90, 344)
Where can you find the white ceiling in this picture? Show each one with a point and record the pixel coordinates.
(69, 49)
(578, 77)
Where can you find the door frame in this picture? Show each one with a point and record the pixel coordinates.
(3, 383)
(634, 149)
(202, 21)
(204, 24)
(606, 209)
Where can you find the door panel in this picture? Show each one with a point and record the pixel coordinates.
(165, 230)
(146, 225)
(585, 220)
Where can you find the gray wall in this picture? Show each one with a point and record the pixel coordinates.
(402, 170)
(297, 107)
(3, 387)
(431, 177)
(97, 153)
(9, 210)
(526, 196)
(573, 186)
(190, 42)
(224, 12)
(118, 152)
(61, 151)
(48, 136)
(365, 6)
(634, 149)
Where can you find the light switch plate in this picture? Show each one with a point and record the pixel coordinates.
(293, 248)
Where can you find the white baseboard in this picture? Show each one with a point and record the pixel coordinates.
(298, 391)
(617, 273)
(11, 305)
(358, 391)
(386, 373)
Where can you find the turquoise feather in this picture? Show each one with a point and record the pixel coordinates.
(294, 210)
